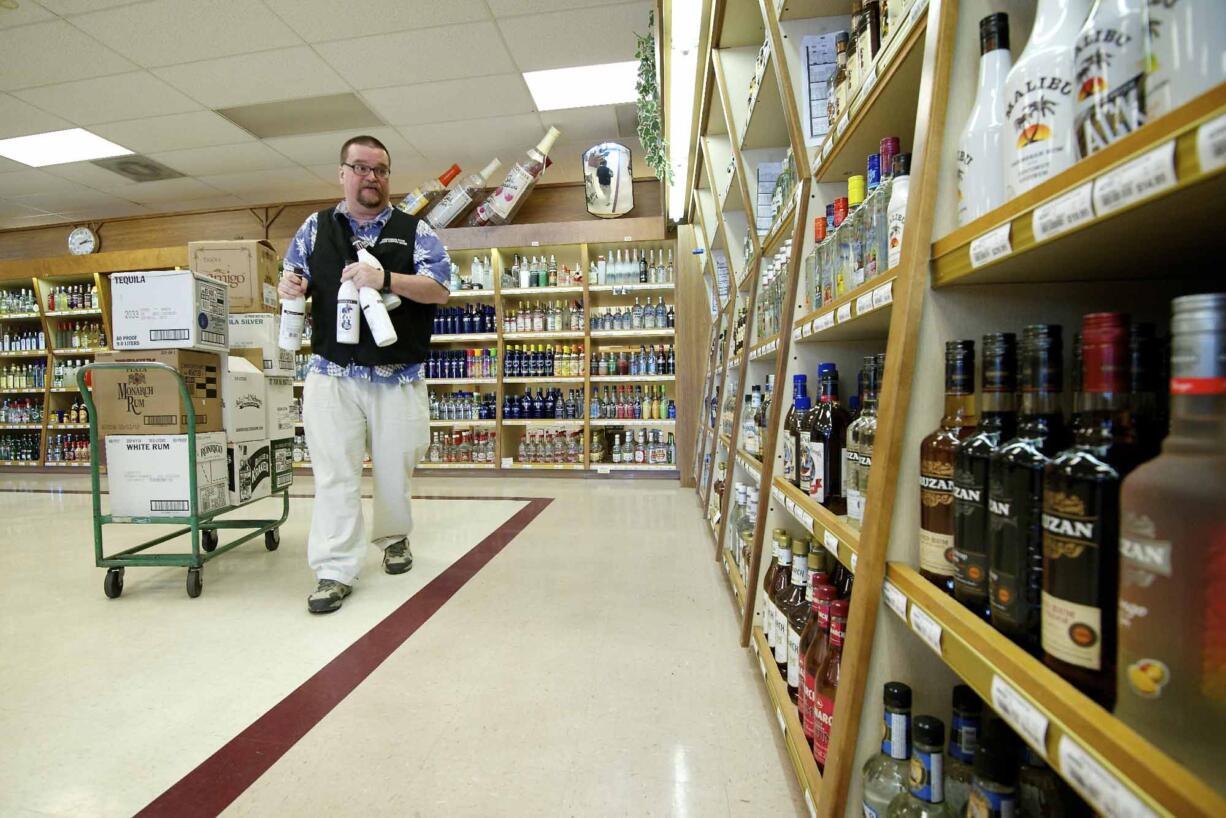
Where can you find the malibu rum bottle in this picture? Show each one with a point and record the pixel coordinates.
(1110, 58)
(937, 452)
(1081, 509)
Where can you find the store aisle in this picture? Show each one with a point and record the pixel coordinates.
(588, 667)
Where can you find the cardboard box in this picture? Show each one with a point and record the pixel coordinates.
(147, 401)
(248, 471)
(279, 414)
(282, 463)
(148, 474)
(244, 401)
(248, 269)
(172, 309)
(254, 336)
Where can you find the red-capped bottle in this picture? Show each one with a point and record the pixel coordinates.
(824, 595)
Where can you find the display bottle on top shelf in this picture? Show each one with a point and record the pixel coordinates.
(886, 774)
(994, 787)
(827, 683)
(869, 44)
(925, 796)
(824, 595)
(896, 213)
(1173, 545)
(1041, 97)
(853, 58)
(937, 454)
(963, 739)
(1187, 40)
(509, 197)
(417, 202)
(795, 609)
(792, 426)
(1081, 488)
(836, 86)
(1015, 489)
(821, 471)
(457, 201)
(1110, 59)
(981, 150)
(972, 461)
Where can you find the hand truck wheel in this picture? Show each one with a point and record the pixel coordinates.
(195, 582)
(208, 539)
(272, 539)
(112, 584)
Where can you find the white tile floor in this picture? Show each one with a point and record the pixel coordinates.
(590, 669)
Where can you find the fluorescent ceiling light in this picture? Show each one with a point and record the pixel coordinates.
(583, 86)
(59, 147)
(684, 32)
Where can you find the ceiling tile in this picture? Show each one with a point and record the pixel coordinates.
(115, 210)
(27, 12)
(107, 99)
(284, 73)
(505, 137)
(21, 222)
(44, 53)
(13, 210)
(167, 32)
(321, 20)
(442, 53)
(174, 132)
(18, 118)
(26, 182)
(616, 26)
(259, 181)
(472, 98)
(75, 200)
(240, 158)
(324, 148)
(167, 190)
(218, 201)
(510, 8)
(90, 175)
(9, 166)
(583, 124)
(67, 7)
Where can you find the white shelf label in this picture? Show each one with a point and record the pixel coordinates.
(926, 627)
(536, 244)
(831, 542)
(869, 82)
(603, 470)
(883, 295)
(627, 238)
(1102, 789)
(829, 146)
(854, 559)
(991, 246)
(1064, 212)
(1145, 176)
(725, 561)
(916, 11)
(825, 322)
(895, 599)
(761, 666)
(783, 725)
(805, 519)
(777, 494)
(1023, 716)
(843, 121)
(844, 313)
(1211, 144)
(864, 303)
(506, 462)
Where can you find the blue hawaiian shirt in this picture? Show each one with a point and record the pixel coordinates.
(430, 257)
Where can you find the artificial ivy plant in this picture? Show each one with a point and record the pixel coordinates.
(649, 127)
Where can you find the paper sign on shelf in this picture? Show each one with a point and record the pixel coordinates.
(1064, 212)
(926, 627)
(844, 313)
(991, 246)
(864, 303)
(895, 599)
(1211, 144)
(1145, 176)
(1023, 716)
(1099, 787)
(831, 542)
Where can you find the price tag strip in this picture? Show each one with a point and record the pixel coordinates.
(926, 627)
(831, 542)
(1063, 213)
(883, 295)
(1211, 144)
(1022, 716)
(1102, 789)
(990, 246)
(844, 120)
(844, 313)
(895, 599)
(864, 303)
(1140, 178)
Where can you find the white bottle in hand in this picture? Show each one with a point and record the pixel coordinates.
(347, 313)
(390, 300)
(376, 317)
(293, 320)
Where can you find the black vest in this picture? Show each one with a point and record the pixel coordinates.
(334, 248)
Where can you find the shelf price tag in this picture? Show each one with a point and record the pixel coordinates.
(1140, 178)
(1211, 144)
(1022, 716)
(895, 599)
(926, 627)
(1102, 789)
(506, 462)
(854, 559)
(991, 246)
(869, 82)
(843, 122)
(916, 11)
(844, 313)
(864, 303)
(829, 146)
(783, 725)
(831, 542)
(1064, 212)
(804, 518)
(883, 295)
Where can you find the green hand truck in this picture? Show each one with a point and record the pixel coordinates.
(203, 528)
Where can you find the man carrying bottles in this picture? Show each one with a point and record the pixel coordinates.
(360, 395)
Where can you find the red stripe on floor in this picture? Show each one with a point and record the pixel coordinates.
(225, 775)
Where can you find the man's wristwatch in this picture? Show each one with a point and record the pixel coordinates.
(387, 281)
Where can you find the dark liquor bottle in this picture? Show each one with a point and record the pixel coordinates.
(821, 469)
(936, 557)
(793, 443)
(1145, 371)
(994, 792)
(789, 597)
(796, 607)
(1081, 509)
(997, 423)
(1015, 489)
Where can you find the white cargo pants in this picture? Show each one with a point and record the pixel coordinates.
(342, 417)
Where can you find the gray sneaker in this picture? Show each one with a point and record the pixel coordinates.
(397, 558)
(327, 596)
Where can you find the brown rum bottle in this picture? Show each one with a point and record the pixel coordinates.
(1081, 509)
(796, 607)
(794, 442)
(788, 592)
(936, 557)
(997, 423)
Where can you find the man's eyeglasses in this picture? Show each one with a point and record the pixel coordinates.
(363, 169)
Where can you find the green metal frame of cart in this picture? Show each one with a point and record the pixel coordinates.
(203, 528)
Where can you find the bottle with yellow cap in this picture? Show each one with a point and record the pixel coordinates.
(855, 227)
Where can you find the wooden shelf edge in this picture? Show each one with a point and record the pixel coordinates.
(821, 522)
(735, 581)
(807, 327)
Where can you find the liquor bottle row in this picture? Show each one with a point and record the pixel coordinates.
(75, 413)
(17, 302)
(80, 335)
(543, 446)
(463, 406)
(462, 363)
(860, 237)
(556, 317)
(70, 447)
(642, 447)
(1091, 74)
(465, 320)
(463, 446)
(768, 309)
(538, 360)
(546, 405)
(73, 297)
(300, 451)
(646, 361)
(302, 363)
(23, 410)
(620, 403)
(538, 272)
(632, 267)
(480, 275)
(1087, 544)
(64, 372)
(29, 341)
(639, 316)
(754, 415)
(24, 447)
(985, 770)
(856, 51)
(23, 376)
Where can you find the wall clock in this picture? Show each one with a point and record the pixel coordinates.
(82, 241)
